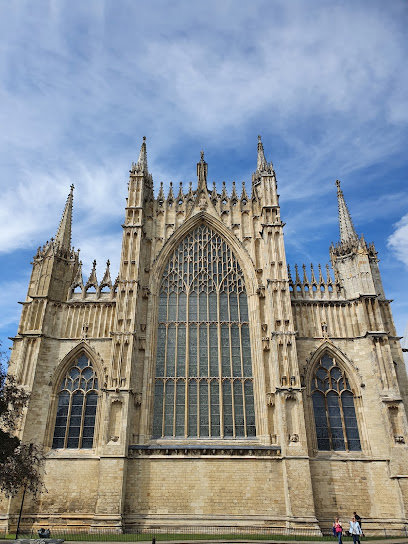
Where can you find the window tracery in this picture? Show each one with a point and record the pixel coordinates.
(333, 407)
(77, 402)
(203, 385)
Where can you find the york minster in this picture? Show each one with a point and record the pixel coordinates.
(209, 384)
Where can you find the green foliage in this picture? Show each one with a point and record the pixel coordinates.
(20, 464)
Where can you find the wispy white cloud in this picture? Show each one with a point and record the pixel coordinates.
(398, 241)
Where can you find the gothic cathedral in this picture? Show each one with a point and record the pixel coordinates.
(208, 384)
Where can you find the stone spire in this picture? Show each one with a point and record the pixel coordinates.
(141, 165)
(202, 169)
(63, 236)
(347, 230)
(261, 164)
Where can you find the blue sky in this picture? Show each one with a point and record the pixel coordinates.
(325, 83)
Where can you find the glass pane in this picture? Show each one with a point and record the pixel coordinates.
(326, 361)
(243, 307)
(203, 306)
(225, 351)
(246, 351)
(215, 408)
(213, 350)
(161, 350)
(204, 427)
(82, 362)
(350, 421)
(162, 307)
(169, 409)
(193, 350)
(227, 405)
(171, 350)
(203, 354)
(239, 409)
(212, 306)
(235, 351)
(233, 299)
(336, 427)
(172, 307)
(180, 407)
(249, 408)
(192, 408)
(322, 430)
(158, 409)
(224, 307)
(182, 307)
(181, 351)
(192, 307)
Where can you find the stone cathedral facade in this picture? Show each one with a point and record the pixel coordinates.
(209, 384)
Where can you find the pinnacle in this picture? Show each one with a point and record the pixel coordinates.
(261, 164)
(347, 230)
(141, 164)
(63, 236)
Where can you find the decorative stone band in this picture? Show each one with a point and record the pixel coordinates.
(204, 451)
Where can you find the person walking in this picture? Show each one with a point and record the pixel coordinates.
(355, 530)
(337, 530)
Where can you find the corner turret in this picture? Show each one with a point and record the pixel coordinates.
(354, 261)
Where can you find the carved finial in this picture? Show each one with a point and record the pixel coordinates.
(244, 196)
(305, 278)
(321, 279)
(214, 194)
(329, 280)
(180, 195)
(78, 280)
(202, 155)
(160, 196)
(297, 278)
(224, 194)
(312, 274)
(92, 280)
(289, 275)
(170, 197)
(106, 280)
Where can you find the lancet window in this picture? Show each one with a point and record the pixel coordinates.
(203, 385)
(334, 410)
(77, 402)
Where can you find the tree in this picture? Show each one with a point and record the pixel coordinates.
(20, 463)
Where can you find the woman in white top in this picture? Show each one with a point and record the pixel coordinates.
(355, 530)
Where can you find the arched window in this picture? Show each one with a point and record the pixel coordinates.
(203, 385)
(77, 400)
(333, 406)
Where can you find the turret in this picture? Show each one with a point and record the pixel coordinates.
(140, 184)
(264, 186)
(353, 260)
(55, 263)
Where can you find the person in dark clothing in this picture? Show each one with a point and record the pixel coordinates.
(358, 519)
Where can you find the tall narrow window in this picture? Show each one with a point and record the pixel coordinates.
(77, 401)
(333, 405)
(204, 383)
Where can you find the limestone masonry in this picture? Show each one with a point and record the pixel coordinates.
(209, 384)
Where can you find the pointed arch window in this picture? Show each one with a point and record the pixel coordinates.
(203, 384)
(77, 402)
(333, 406)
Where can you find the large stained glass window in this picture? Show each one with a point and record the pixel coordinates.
(77, 400)
(333, 405)
(203, 385)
